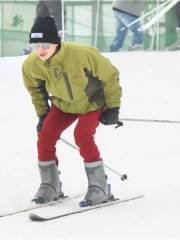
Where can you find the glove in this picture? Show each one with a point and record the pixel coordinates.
(110, 116)
(40, 123)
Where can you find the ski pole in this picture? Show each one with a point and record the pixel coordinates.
(158, 16)
(150, 120)
(122, 176)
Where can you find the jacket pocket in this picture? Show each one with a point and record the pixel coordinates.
(68, 86)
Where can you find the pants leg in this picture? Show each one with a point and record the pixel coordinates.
(126, 19)
(120, 35)
(55, 123)
(138, 37)
(84, 135)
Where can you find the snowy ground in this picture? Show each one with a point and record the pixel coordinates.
(148, 152)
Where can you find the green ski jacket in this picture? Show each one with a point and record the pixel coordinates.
(77, 79)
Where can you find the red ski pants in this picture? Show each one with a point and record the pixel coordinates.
(56, 122)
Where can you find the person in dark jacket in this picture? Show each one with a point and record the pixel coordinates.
(48, 8)
(126, 12)
(82, 85)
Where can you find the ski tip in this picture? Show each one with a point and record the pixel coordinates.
(34, 217)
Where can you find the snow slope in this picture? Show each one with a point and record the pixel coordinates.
(148, 152)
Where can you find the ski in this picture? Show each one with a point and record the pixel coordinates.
(38, 206)
(47, 217)
(158, 15)
(155, 9)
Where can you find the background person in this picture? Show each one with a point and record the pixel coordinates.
(48, 8)
(126, 12)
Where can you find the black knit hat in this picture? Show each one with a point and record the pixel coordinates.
(44, 30)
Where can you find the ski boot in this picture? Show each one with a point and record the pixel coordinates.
(98, 189)
(50, 187)
(136, 47)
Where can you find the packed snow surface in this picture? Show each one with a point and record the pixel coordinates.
(148, 152)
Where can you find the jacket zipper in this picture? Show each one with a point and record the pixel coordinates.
(68, 86)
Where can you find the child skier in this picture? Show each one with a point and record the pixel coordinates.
(81, 84)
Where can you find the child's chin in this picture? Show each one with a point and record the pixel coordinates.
(43, 58)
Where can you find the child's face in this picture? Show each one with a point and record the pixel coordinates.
(44, 50)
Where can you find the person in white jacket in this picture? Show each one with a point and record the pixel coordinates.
(126, 12)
